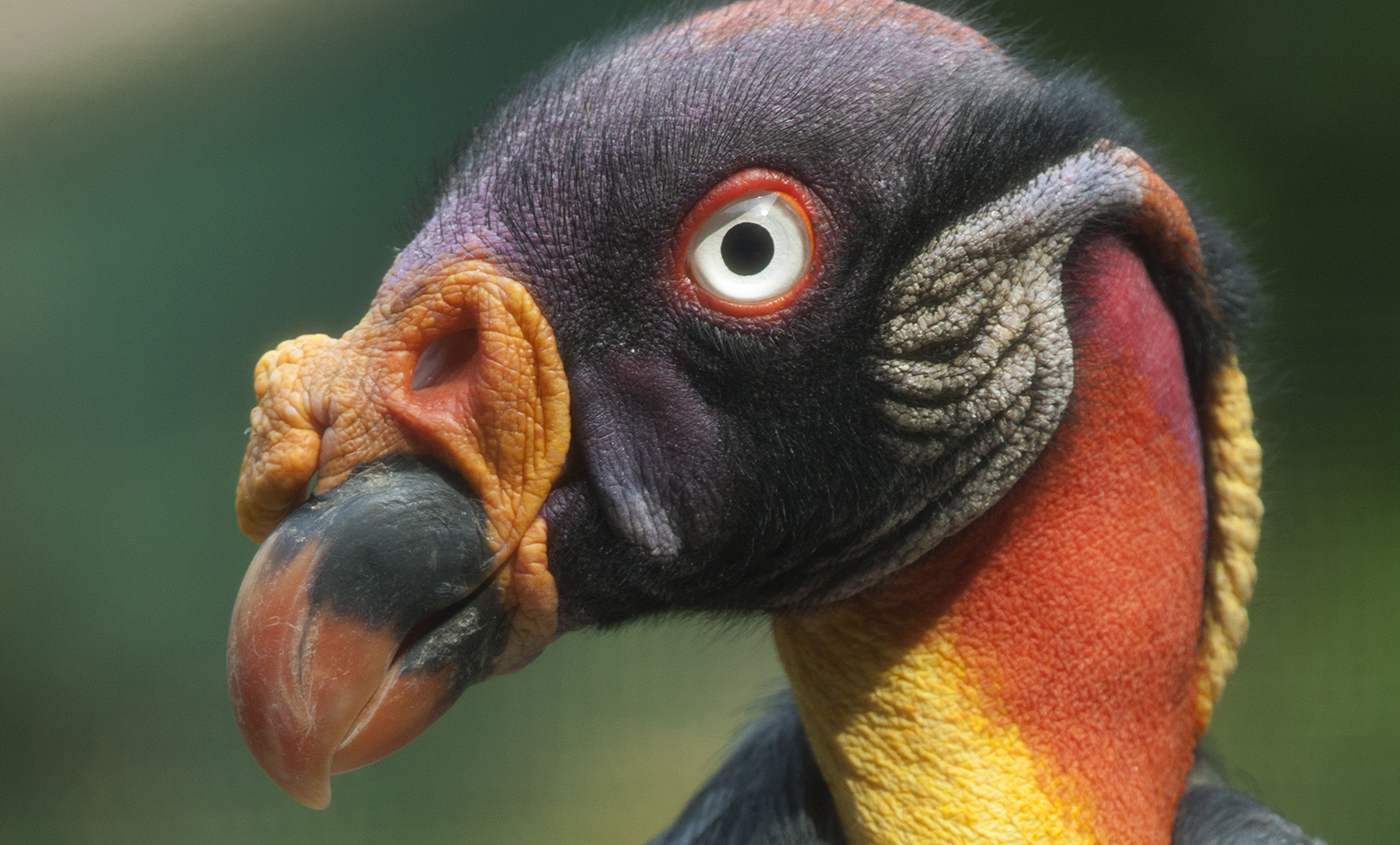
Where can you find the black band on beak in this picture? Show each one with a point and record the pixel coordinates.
(363, 617)
(404, 545)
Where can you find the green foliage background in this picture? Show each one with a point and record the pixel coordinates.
(161, 228)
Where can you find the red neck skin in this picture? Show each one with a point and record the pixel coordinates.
(1086, 624)
(1075, 602)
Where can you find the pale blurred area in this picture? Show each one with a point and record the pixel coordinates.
(50, 45)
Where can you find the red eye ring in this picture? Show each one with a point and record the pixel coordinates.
(745, 182)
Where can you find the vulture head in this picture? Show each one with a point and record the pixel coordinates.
(825, 310)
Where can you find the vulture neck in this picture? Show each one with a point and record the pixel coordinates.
(1034, 679)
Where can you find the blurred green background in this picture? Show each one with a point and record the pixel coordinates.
(183, 184)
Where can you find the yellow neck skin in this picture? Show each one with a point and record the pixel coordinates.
(915, 756)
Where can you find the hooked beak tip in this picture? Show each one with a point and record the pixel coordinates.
(312, 792)
(365, 615)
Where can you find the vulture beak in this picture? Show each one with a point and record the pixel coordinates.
(434, 429)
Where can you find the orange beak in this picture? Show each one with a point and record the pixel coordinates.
(436, 428)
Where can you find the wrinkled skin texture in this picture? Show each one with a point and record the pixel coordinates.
(327, 406)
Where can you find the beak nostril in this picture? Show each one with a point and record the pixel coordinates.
(445, 358)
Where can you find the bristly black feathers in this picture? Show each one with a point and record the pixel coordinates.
(1218, 815)
(769, 791)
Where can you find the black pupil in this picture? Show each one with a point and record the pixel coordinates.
(747, 249)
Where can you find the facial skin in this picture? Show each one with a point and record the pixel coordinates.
(614, 438)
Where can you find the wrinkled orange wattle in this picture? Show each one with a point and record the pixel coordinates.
(501, 420)
(317, 695)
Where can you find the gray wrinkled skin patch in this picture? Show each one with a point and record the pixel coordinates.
(973, 354)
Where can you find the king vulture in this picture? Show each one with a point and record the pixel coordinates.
(824, 310)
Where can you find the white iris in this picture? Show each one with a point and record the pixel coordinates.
(752, 250)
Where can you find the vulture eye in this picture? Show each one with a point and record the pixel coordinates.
(755, 249)
(750, 246)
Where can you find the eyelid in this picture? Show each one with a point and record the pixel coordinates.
(759, 182)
